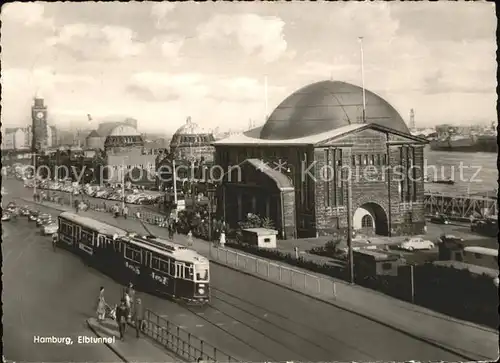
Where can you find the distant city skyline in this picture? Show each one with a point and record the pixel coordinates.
(161, 62)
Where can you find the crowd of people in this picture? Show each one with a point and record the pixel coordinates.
(129, 310)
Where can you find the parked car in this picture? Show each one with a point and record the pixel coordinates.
(49, 228)
(33, 215)
(6, 216)
(43, 219)
(440, 219)
(25, 211)
(11, 207)
(416, 243)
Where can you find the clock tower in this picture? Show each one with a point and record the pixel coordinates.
(39, 125)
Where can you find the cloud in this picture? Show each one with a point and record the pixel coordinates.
(166, 87)
(169, 46)
(340, 68)
(26, 14)
(159, 12)
(256, 34)
(20, 85)
(87, 41)
(44, 78)
(197, 87)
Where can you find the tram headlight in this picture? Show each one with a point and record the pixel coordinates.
(201, 291)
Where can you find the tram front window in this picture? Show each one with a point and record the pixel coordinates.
(201, 272)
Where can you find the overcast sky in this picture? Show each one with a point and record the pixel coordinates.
(161, 62)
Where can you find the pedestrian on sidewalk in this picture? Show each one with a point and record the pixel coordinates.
(101, 305)
(55, 237)
(139, 317)
(171, 230)
(222, 238)
(131, 294)
(190, 238)
(121, 318)
(116, 210)
(128, 301)
(125, 212)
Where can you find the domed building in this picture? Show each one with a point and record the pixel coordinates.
(125, 156)
(316, 145)
(191, 142)
(123, 137)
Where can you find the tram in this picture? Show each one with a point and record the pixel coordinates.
(154, 264)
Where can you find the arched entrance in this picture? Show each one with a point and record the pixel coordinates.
(371, 218)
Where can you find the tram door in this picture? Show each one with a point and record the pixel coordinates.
(179, 270)
(180, 286)
(76, 235)
(146, 263)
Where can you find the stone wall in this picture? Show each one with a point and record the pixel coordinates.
(373, 182)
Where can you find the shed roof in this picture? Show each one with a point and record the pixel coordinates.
(477, 270)
(261, 231)
(482, 250)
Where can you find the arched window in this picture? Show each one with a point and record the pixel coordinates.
(367, 221)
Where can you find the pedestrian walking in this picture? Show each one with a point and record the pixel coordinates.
(125, 212)
(139, 317)
(54, 241)
(222, 238)
(101, 305)
(131, 294)
(190, 238)
(171, 230)
(121, 318)
(116, 210)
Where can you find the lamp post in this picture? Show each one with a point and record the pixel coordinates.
(174, 172)
(349, 231)
(210, 191)
(362, 77)
(123, 183)
(34, 172)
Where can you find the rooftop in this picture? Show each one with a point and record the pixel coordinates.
(327, 105)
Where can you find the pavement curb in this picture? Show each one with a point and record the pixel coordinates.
(109, 345)
(467, 355)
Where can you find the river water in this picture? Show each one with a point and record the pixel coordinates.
(471, 172)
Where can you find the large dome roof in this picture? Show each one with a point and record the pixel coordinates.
(124, 130)
(327, 105)
(191, 128)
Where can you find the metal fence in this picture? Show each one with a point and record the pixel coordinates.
(295, 279)
(181, 341)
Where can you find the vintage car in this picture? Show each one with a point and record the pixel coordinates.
(43, 219)
(416, 243)
(49, 228)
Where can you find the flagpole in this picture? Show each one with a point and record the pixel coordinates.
(265, 96)
(363, 78)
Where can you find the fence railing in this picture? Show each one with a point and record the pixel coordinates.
(180, 341)
(293, 278)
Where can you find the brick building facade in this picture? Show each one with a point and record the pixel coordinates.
(295, 169)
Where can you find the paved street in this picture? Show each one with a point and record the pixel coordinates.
(248, 318)
(46, 294)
